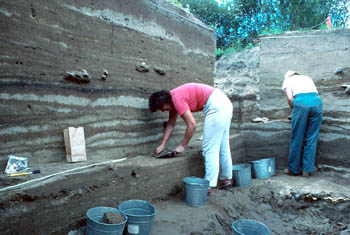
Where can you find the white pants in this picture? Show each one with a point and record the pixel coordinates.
(216, 145)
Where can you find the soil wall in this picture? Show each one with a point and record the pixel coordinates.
(253, 80)
(144, 45)
(128, 49)
(325, 56)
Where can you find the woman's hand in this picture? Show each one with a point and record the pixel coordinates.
(179, 149)
(160, 148)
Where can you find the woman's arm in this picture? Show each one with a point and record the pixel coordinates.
(190, 129)
(168, 130)
(290, 97)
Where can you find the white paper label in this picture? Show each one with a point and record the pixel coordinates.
(133, 229)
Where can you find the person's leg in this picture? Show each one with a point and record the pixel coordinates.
(211, 147)
(299, 121)
(225, 152)
(215, 125)
(311, 138)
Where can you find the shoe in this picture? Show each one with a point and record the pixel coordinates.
(288, 172)
(224, 183)
(306, 174)
(210, 191)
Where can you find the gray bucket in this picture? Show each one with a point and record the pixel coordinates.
(140, 216)
(260, 168)
(95, 226)
(249, 227)
(242, 175)
(196, 190)
(272, 166)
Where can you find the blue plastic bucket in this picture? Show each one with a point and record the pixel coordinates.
(249, 227)
(196, 190)
(260, 168)
(242, 176)
(272, 166)
(140, 216)
(95, 226)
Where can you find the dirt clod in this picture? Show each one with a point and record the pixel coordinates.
(113, 218)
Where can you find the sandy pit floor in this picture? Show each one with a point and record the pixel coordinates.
(286, 204)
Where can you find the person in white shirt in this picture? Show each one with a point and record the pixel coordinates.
(306, 105)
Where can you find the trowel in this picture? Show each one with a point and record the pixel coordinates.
(167, 155)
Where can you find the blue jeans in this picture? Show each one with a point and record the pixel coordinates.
(306, 123)
(216, 145)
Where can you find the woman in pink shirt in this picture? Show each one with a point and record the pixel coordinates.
(195, 97)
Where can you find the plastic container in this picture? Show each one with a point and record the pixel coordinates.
(249, 227)
(242, 176)
(260, 168)
(272, 166)
(95, 226)
(196, 190)
(140, 216)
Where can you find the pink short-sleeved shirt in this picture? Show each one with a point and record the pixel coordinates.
(190, 96)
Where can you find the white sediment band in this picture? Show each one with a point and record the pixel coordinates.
(59, 173)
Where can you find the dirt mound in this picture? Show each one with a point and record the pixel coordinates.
(265, 201)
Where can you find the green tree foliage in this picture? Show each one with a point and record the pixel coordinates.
(220, 17)
(238, 23)
(308, 14)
